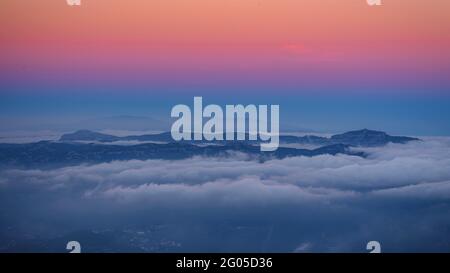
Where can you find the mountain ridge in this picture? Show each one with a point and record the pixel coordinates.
(359, 138)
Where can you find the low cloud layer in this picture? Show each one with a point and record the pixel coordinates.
(399, 195)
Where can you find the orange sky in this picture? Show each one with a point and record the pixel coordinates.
(227, 21)
(411, 37)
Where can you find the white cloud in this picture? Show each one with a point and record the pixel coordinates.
(394, 165)
(244, 191)
(426, 191)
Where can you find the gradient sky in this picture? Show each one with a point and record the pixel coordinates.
(340, 59)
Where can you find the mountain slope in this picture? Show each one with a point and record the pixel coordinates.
(369, 138)
(57, 154)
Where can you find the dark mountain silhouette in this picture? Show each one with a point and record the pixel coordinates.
(369, 138)
(362, 138)
(57, 154)
(72, 149)
(86, 135)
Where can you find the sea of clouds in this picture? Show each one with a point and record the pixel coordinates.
(398, 195)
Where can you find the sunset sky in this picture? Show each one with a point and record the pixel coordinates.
(297, 52)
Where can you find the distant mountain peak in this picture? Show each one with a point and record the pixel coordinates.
(366, 137)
